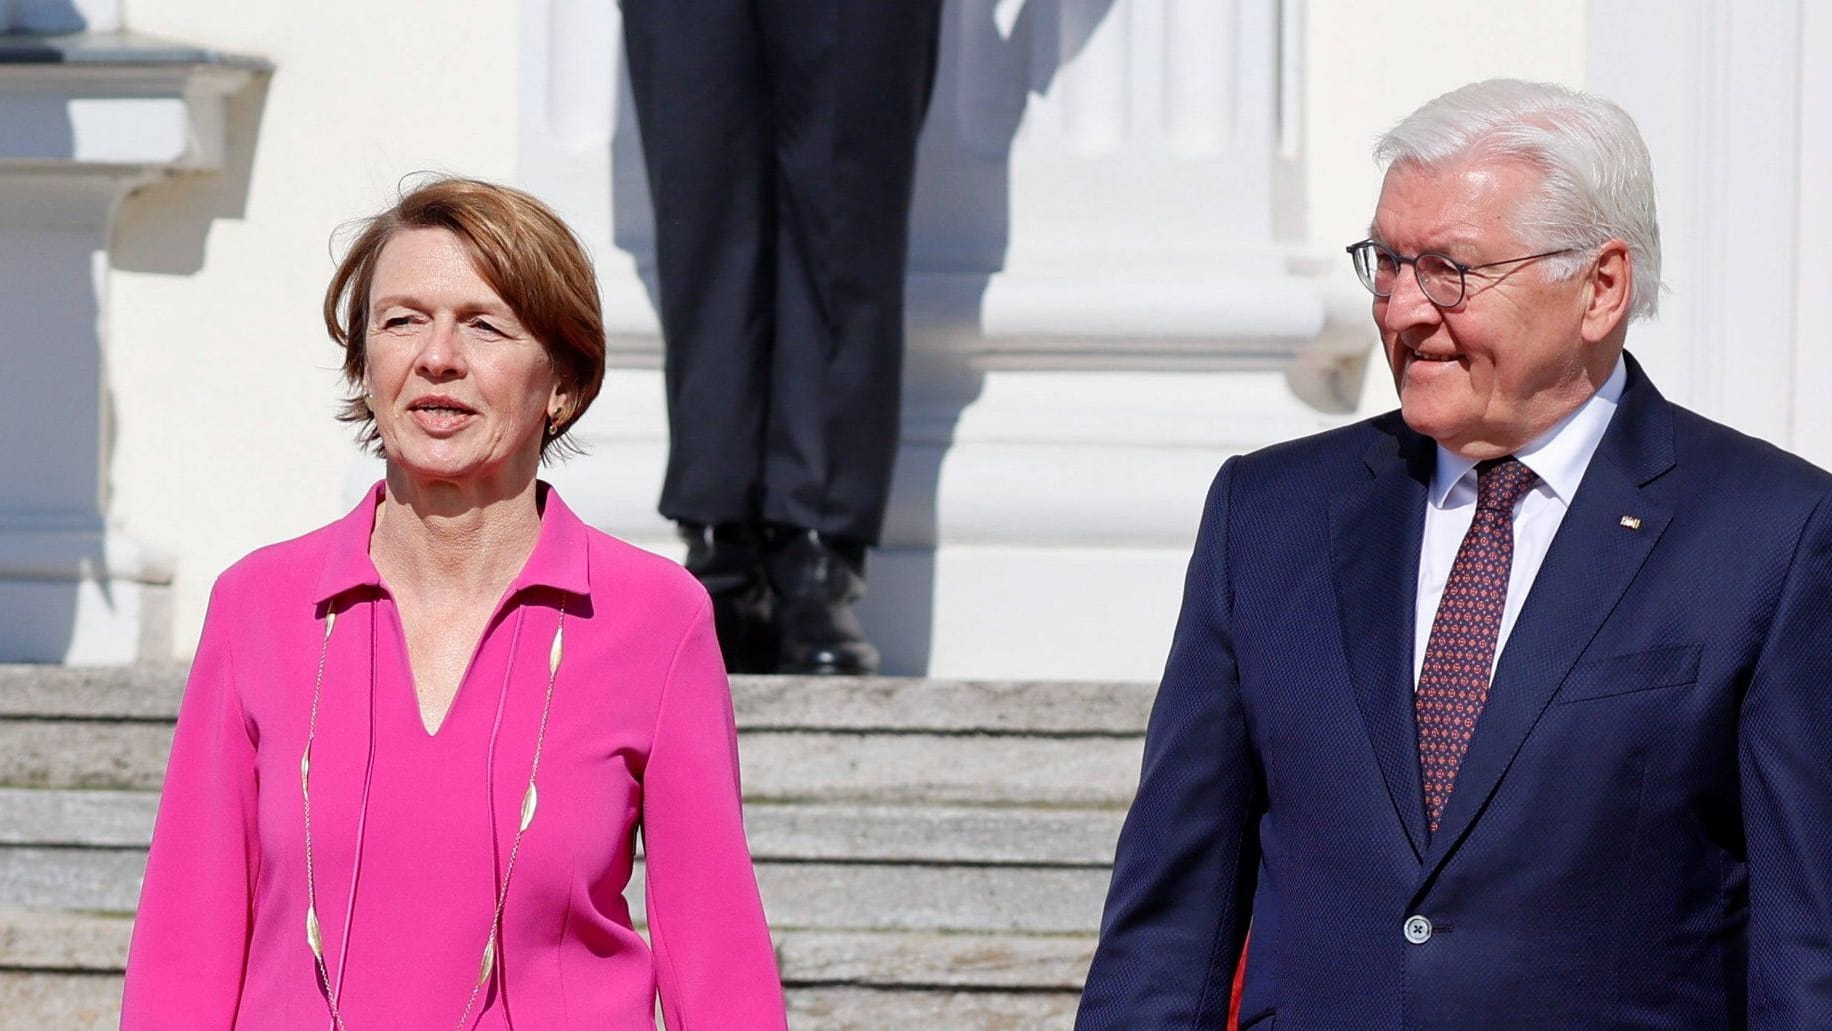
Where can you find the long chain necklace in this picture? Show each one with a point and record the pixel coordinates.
(314, 936)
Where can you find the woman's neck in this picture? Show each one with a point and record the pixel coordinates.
(439, 541)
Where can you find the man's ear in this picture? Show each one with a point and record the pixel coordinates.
(1609, 285)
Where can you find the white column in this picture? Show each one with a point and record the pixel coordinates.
(1102, 305)
(76, 135)
(1716, 87)
(1812, 436)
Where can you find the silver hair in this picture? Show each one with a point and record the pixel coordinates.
(1596, 181)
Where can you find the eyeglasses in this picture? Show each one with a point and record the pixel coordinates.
(1443, 280)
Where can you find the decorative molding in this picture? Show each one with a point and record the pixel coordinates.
(83, 120)
(1033, 240)
(80, 119)
(1716, 89)
(1105, 300)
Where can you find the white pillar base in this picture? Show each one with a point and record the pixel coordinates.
(1040, 521)
(83, 598)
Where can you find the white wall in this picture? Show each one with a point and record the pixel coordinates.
(1372, 63)
(223, 379)
(1734, 100)
(1368, 66)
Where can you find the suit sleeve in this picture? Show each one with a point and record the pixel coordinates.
(190, 940)
(713, 957)
(1785, 759)
(1181, 895)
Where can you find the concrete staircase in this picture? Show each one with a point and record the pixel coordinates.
(932, 854)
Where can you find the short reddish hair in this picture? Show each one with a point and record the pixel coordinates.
(533, 261)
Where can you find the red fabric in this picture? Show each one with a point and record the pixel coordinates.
(1240, 978)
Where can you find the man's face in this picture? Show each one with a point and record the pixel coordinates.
(1486, 377)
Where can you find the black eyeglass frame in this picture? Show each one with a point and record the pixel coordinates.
(1463, 270)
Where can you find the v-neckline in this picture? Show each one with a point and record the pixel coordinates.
(413, 680)
(497, 611)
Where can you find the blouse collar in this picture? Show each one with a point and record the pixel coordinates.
(559, 560)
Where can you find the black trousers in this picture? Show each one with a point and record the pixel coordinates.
(780, 142)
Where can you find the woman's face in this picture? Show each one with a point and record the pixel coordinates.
(460, 390)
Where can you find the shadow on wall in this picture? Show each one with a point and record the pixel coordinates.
(49, 288)
(995, 57)
(995, 54)
(48, 291)
(41, 17)
(163, 227)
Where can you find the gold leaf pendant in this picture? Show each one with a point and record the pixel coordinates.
(529, 801)
(313, 936)
(489, 960)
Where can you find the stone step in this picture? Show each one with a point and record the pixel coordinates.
(916, 959)
(895, 704)
(32, 939)
(86, 879)
(64, 753)
(61, 970)
(861, 896)
(147, 691)
(876, 740)
(777, 765)
(870, 1009)
(77, 818)
(1032, 708)
(931, 853)
(92, 1002)
(985, 835)
(939, 768)
(91, 943)
(776, 830)
(865, 896)
(63, 1001)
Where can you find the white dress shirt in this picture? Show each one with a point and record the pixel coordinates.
(1559, 456)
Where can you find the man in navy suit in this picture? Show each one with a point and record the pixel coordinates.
(1513, 708)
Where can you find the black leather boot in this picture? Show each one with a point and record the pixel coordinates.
(816, 579)
(727, 559)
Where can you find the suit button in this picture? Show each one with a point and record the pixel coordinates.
(1418, 930)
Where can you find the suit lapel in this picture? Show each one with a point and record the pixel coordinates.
(1374, 551)
(1591, 562)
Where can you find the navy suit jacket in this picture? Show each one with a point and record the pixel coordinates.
(1640, 835)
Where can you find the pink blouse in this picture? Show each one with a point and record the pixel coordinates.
(640, 734)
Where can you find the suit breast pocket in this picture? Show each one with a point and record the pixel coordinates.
(1672, 666)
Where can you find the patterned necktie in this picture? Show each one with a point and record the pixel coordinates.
(1454, 680)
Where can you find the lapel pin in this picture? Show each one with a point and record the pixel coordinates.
(1630, 522)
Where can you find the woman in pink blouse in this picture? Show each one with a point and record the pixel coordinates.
(416, 744)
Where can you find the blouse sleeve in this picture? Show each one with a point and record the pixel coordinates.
(190, 940)
(714, 961)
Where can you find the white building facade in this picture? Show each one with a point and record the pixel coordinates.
(1127, 265)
